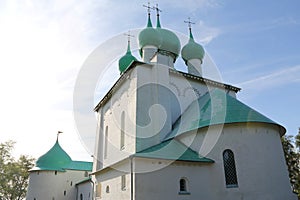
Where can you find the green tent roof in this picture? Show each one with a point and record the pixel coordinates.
(217, 107)
(172, 150)
(56, 159)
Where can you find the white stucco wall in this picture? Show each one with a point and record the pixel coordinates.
(47, 185)
(164, 183)
(261, 169)
(122, 100)
(85, 190)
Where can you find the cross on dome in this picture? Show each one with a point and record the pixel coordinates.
(128, 36)
(189, 22)
(157, 14)
(157, 9)
(149, 8)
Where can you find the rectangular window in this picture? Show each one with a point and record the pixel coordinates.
(106, 142)
(123, 182)
(98, 190)
(122, 143)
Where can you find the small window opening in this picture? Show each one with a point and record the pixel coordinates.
(182, 185)
(122, 139)
(107, 189)
(86, 174)
(123, 182)
(183, 188)
(65, 193)
(55, 172)
(81, 196)
(229, 169)
(106, 142)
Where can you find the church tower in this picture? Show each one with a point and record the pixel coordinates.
(55, 176)
(167, 134)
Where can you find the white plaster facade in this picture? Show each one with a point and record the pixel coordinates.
(261, 170)
(53, 185)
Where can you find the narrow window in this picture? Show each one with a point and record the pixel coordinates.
(55, 172)
(183, 186)
(81, 197)
(122, 145)
(106, 142)
(229, 169)
(107, 189)
(98, 190)
(123, 182)
(86, 174)
(71, 183)
(65, 193)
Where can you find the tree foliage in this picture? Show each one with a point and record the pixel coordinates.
(13, 173)
(292, 160)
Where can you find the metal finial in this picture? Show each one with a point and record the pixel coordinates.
(149, 8)
(58, 132)
(157, 9)
(189, 22)
(128, 35)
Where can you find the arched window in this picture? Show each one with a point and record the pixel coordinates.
(81, 197)
(107, 189)
(122, 139)
(106, 142)
(183, 186)
(229, 169)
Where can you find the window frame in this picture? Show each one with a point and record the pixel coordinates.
(183, 186)
(230, 172)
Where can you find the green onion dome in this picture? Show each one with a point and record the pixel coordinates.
(170, 41)
(55, 159)
(192, 50)
(126, 60)
(149, 36)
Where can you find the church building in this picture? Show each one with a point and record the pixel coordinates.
(168, 134)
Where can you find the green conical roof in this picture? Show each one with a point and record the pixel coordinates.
(192, 50)
(217, 107)
(55, 159)
(126, 60)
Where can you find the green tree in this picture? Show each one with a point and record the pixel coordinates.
(292, 161)
(297, 138)
(13, 173)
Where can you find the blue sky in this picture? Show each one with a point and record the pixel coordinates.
(255, 45)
